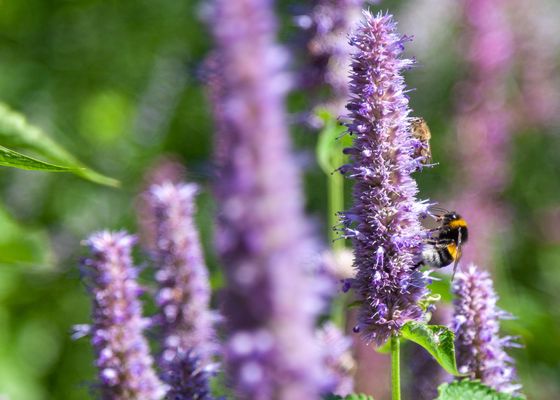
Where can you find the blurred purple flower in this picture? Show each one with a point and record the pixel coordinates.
(272, 295)
(384, 221)
(166, 168)
(123, 355)
(338, 358)
(480, 349)
(329, 25)
(536, 48)
(183, 296)
(483, 124)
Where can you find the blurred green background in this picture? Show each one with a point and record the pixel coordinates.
(117, 83)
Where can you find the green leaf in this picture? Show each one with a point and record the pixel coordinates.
(10, 158)
(353, 396)
(438, 340)
(16, 132)
(469, 390)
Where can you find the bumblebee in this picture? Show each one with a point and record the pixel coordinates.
(444, 245)
(420, 131)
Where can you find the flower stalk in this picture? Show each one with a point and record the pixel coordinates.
(395, 367)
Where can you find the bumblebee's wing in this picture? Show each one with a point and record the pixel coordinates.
(459, 254)
(437, 211)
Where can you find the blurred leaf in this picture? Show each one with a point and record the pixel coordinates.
(438, 340)
(353, 396)
(15, 131)
(330, 144)
(104, 116)
(469, 390)
(11, 158)
(20, 245)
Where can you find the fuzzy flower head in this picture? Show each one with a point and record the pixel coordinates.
(183, 296)
(123, 355)
(480, 349)
(384, 220)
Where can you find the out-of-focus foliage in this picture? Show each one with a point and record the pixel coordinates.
(117, 84)
(16, 131)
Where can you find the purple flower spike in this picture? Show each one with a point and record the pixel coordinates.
(384, 221)
(123, 356)
(330, 23)
(338, 358)
(271, 299)
(184, 292)
(480, 349)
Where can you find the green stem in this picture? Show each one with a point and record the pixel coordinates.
(336, 205)
(336, 201)
(395, 367)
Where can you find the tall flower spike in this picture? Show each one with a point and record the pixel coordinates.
(264, 241)
(331, 22)
(123, 355)
(384, 220)
(183, 296)
(480, 349)
(338, 358)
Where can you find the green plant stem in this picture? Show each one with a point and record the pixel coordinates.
(336, 201)
(336, 204)
(395, 367)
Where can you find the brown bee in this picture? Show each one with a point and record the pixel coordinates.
(420, 130)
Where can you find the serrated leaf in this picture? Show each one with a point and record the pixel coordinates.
(469, 390)
(438, 340)
(11, 158)
(353, 396)
(17, 132)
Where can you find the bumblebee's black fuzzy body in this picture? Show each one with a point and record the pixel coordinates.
(444, 247)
